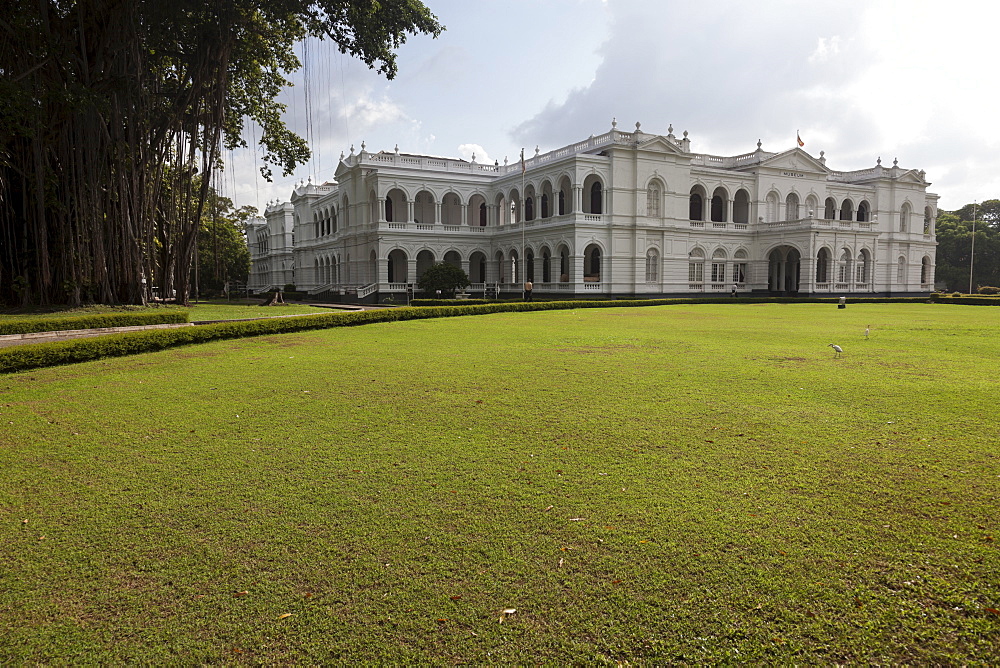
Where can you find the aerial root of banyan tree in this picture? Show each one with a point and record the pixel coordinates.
(101, 150)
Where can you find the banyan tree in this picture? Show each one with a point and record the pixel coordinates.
(113, 112)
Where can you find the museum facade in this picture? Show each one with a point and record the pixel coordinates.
(620, 214)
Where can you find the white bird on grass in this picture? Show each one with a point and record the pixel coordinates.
(868, 329)
(836, 349)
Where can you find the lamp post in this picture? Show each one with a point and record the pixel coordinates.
(972, 252)
(521, 274)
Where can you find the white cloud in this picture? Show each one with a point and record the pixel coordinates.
(826, 48)
(467, 151)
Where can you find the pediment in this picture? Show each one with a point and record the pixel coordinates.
(911, 176)
(795, 160)
(660, 144)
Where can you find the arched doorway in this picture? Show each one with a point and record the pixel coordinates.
(783, 265)
(592, 264)
(477, 267)
(397, 266)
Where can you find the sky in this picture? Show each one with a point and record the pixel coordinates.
(860, 80)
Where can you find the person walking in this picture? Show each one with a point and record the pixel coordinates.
(527, 291)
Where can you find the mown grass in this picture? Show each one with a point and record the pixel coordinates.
(681, 484)
(205, 310)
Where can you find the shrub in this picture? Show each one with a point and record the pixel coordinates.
(989, 290)
(443, 277)
(96, 321)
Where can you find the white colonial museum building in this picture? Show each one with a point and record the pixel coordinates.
(619, 214)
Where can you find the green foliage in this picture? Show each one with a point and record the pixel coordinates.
(59, 324)
(444, 277)
(989, 290)
(954, 237)
(223, 256)
(111, 110)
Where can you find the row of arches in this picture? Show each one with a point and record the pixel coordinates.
(503, 266)
(784, 268)
(423, 208)
(546, 202)
(719, 208)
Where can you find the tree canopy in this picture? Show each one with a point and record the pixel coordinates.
(954, 250)
(444, 277)
(110, 108)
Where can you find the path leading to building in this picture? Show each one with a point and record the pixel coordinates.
(8, 340)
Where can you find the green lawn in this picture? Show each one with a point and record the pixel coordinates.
(204, 310)
(681, 484)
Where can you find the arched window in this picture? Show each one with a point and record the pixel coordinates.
(771, 207)
(861, 268)
(823, 265)
(844, 267)
(901, 270)
(388, 209)
(792, 207)
(812, 204)
(545, 206)
(563, 265)
(904, 218)
(546, 266)
(652, 266)
(928, 219)
(562, 202)
(719, 266)
(482, 215)
(653, 201)
(925, 271)
(529, 208)
(740, 267)
(696, 266)
(592, 263)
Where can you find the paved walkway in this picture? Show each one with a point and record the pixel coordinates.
(8, 340)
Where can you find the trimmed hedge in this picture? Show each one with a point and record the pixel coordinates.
(32, 356)
(968, 300)
(96, 321)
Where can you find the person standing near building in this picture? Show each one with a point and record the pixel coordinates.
(734, 290)
(527, 291)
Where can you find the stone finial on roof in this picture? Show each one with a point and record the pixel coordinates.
(352, 149)
(614, 123)
(759, 144)
(878, 163)
(895, 162)
(536, 150)
(637, 126)
(397, 149)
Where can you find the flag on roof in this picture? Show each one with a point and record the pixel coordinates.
(522, 161)
(798, 138)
